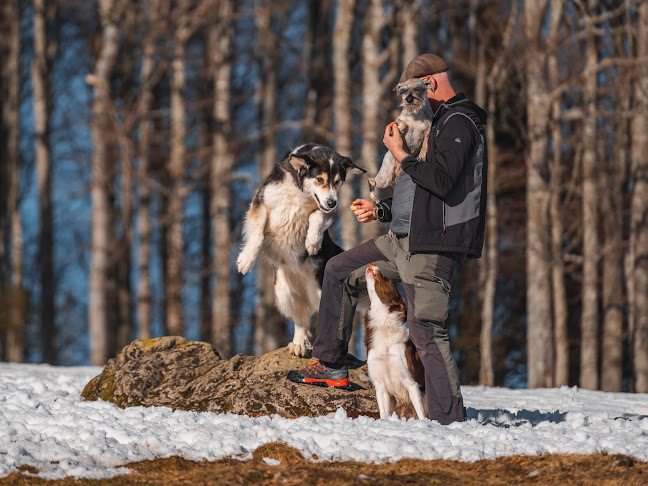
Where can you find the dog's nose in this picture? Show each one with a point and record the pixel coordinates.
(331, 203)
(409, 98)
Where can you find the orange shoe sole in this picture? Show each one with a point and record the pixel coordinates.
(335, 383)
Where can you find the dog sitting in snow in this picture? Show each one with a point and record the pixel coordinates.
(394, 366)
(288, 223)
(414, 123)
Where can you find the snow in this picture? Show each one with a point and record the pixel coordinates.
(46, 424)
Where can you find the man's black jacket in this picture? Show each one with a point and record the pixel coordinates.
(449, 207)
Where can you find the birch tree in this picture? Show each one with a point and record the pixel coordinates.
(559, 296)
(147, 77)
(343, 114)
(589, 316)
(489, 261)
(176, 168)
(109, 12)
(373, 89)
(538, 292)
(317, 52)
(222, 160)
(408, 17)
(611, 183)
(639, 207)
(13, 293)
(44, 48)
(268, 324)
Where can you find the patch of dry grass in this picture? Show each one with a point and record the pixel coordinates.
(597, 469)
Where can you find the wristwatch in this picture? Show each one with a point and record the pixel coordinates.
(380, 212)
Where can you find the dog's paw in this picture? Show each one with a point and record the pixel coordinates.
(299, 348)
(312, 247)
(383, 178)
(244, 264)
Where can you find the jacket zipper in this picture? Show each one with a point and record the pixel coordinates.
(408, 254)
(444, 218)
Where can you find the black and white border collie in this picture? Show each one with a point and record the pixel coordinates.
(288, 223)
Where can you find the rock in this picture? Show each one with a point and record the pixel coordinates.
(188, 375)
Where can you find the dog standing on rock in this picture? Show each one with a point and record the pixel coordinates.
(414, 123)
(288, 223)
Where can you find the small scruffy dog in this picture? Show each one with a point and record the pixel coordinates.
(394, 366)
(414, 124)
(288, 223)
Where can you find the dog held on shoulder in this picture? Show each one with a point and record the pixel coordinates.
(395, 368)
(414, 122)
(287, 223)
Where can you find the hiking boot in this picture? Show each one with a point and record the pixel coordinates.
(321, 375)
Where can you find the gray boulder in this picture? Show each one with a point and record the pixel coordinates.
(189, 375)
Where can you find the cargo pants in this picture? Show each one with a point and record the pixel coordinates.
(428, 301)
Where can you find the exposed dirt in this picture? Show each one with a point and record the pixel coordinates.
(597, 469)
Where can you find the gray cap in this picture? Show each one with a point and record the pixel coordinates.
(423, 65)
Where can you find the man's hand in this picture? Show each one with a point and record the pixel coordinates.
(394, 141)
(364, 210)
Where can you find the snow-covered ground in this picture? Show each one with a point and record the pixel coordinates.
(45, 423)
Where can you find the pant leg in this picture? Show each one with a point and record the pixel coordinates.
(428, 301)
(442, 389)
(339, 299)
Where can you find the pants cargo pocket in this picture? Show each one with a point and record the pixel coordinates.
(431, 298)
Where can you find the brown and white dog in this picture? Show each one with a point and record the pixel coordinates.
(394, 365)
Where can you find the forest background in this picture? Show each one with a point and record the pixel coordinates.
(134, 133)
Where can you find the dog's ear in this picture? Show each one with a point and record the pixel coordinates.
(398, 87)
(348, 165)
(298, 163)
(429, 85)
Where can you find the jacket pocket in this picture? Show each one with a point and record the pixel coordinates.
(431, 298)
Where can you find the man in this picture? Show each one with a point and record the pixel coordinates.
(437, 217)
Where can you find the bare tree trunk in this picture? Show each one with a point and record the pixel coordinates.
(561, 338)
(539, 319)
(43, 51)
(177, 160)
(559, 294)
(639, 205)
(12, 338)
(610, 183)
(206, 255)
(409, 17)
(341, 107)
(487, 264)
(317, 52)
(371, 96)
(124, 246)
(490, 270)
(221, 168)
(613, 298)
(268, 323)
(100, 208)
(205, 144)
(144, 297)
(589, 317)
